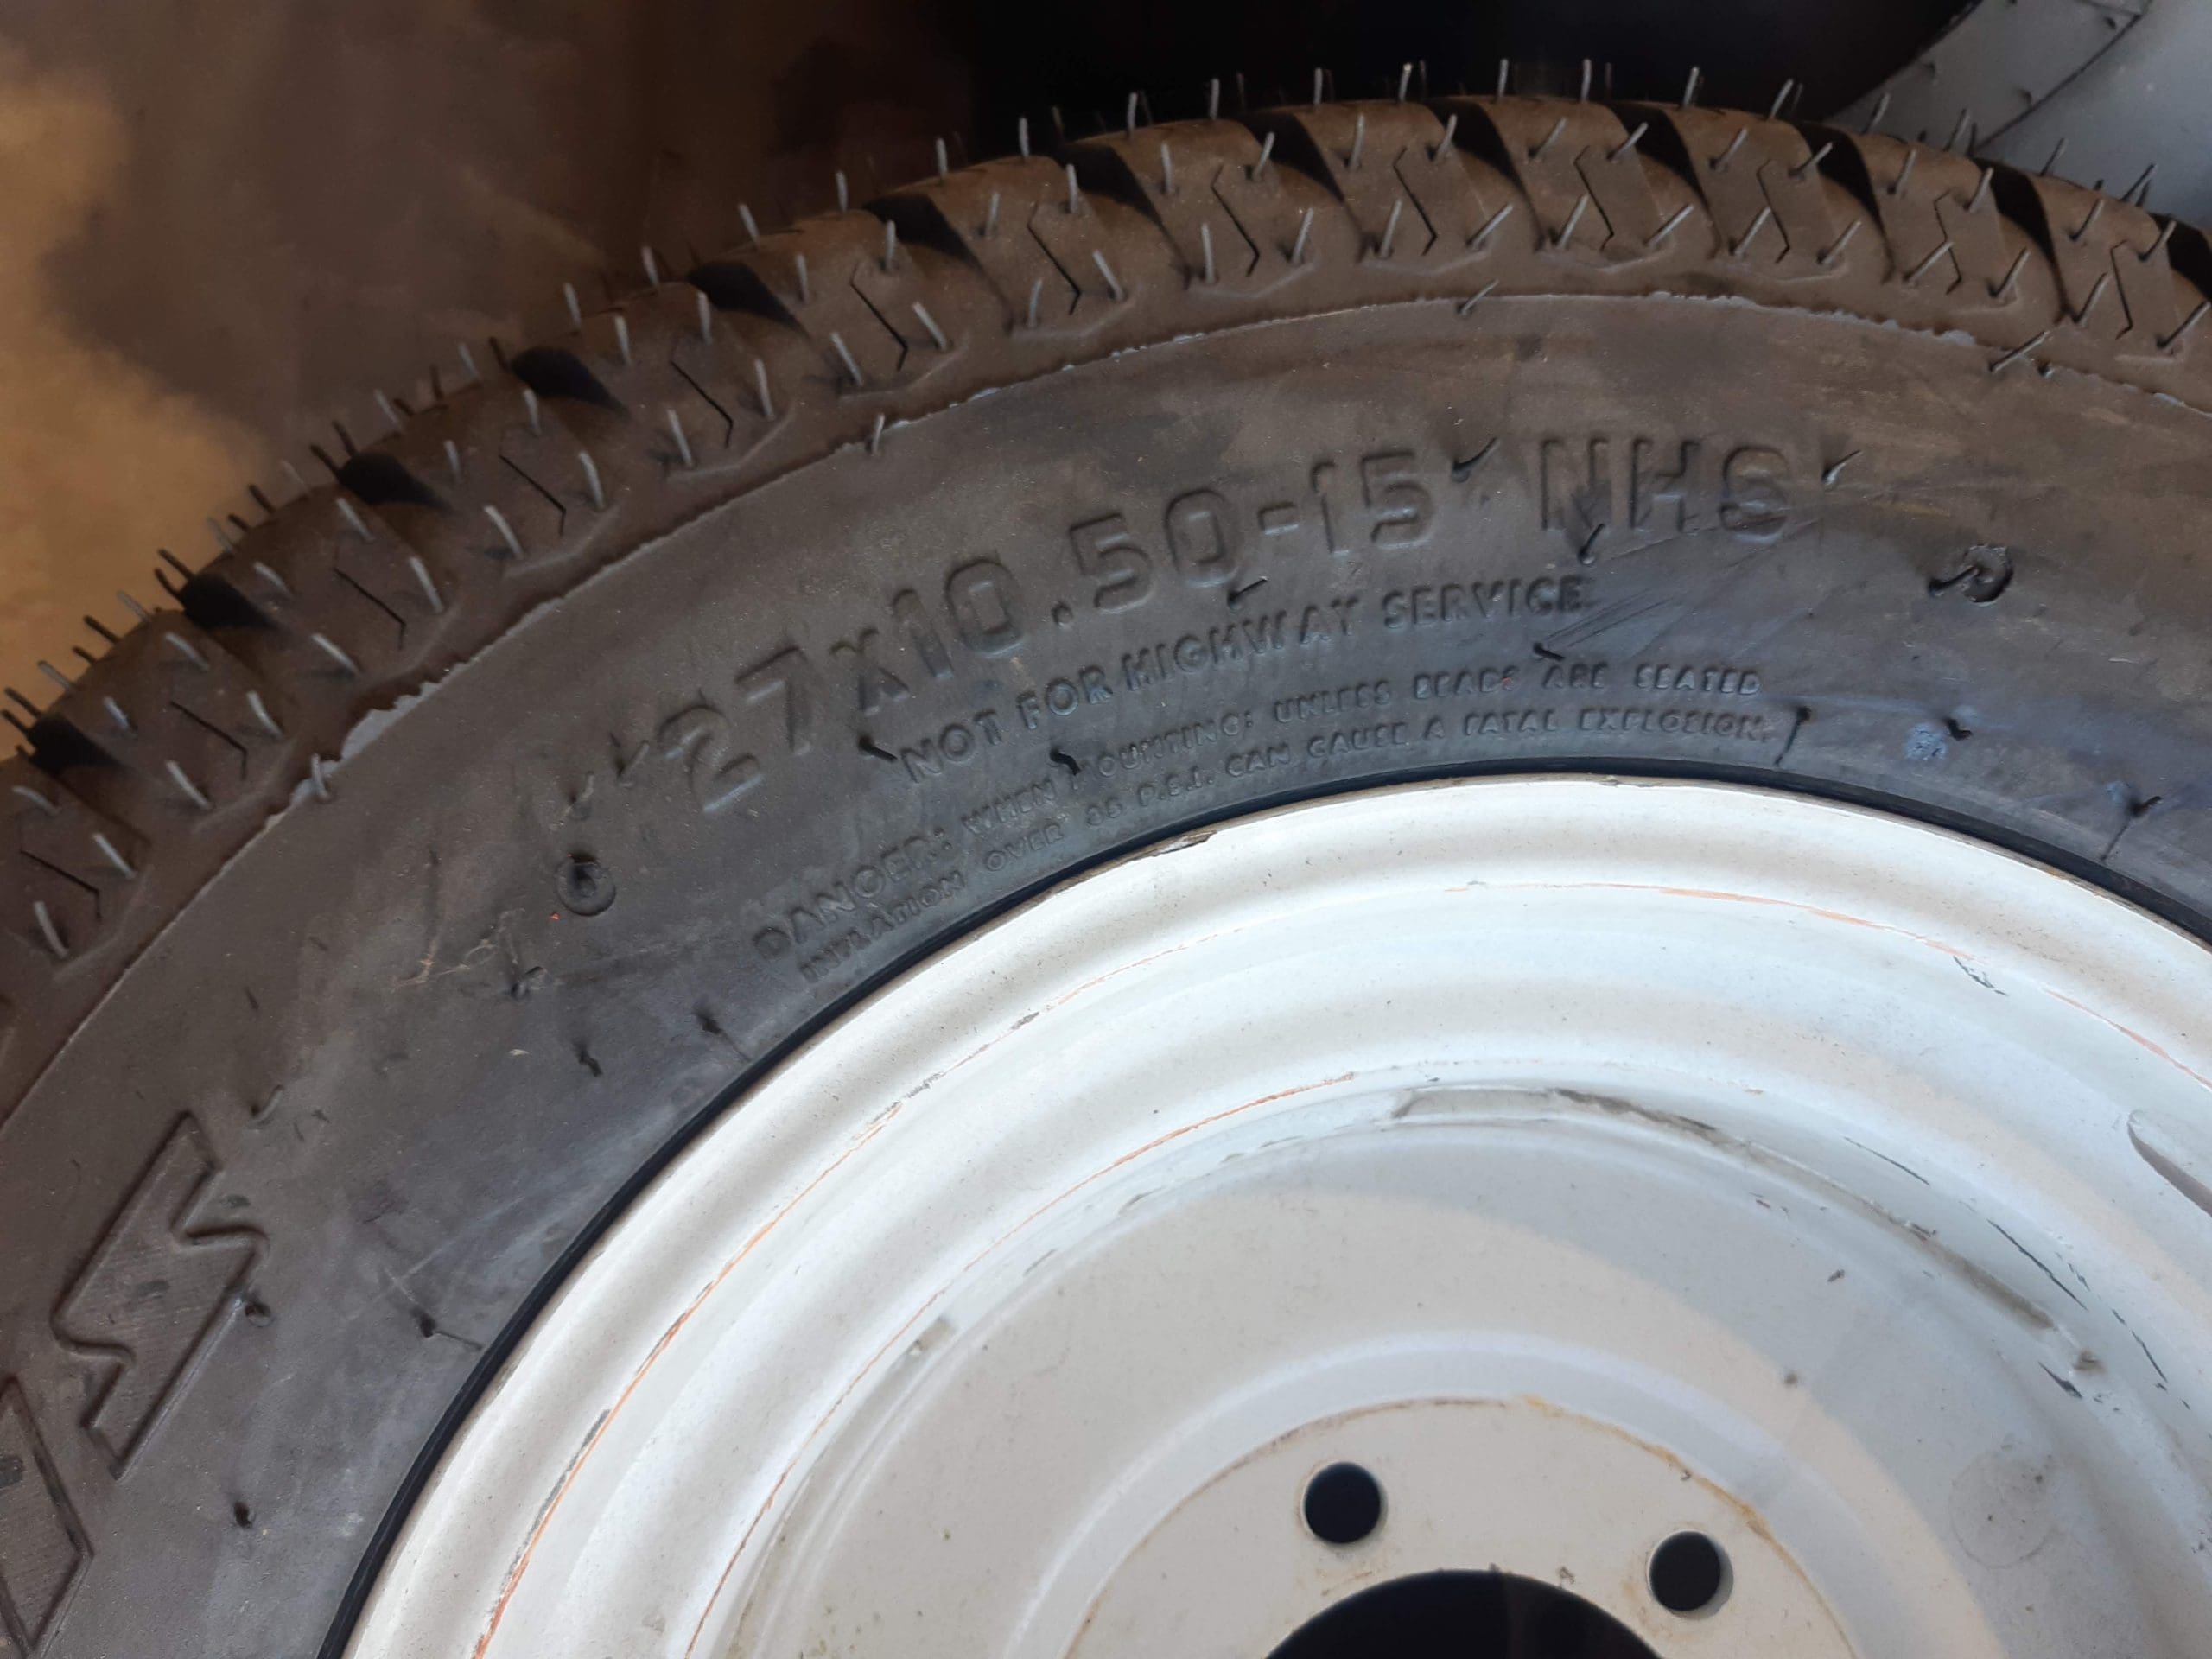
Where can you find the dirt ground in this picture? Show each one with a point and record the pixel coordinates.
(222, 227)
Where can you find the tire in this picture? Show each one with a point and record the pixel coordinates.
(2088, 91)
(473, 829)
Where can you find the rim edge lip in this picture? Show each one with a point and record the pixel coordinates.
(2083, 964)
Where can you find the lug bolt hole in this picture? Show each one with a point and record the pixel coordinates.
(1343, 1504)
(1689, 1575)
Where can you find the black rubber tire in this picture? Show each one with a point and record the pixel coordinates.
(1486, 436)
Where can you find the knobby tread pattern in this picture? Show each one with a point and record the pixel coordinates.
(167, 753)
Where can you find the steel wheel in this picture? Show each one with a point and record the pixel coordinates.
(1753, 1225)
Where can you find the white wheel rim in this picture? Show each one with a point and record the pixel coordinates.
(1591, 1160)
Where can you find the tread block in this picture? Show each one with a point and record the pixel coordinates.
(61, 894)
(172, 728)
(1174, 174)
(726, 363)
(487, 514)
(936, 303)
(982, 214)
(805, 278)
(318, 623)
(2081, 246)
(1108, 252)
(1772, 191)
(1539, 143)
(1469, 204)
